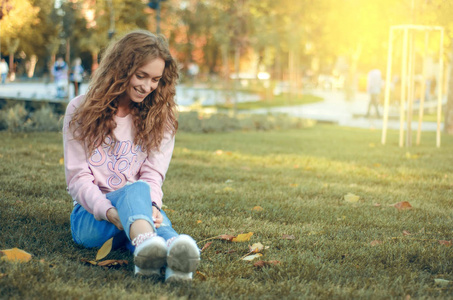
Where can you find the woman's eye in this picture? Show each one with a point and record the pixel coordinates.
(139, 76)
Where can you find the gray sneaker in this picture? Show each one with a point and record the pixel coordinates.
(150, 256)
(182, 259)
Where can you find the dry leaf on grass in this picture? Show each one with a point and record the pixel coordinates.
(15, 254)
(252, 257)
(206, 246)
(402, 205)
(89, 262)
(112, 263)
(442, 282)
(257, 208)
(288, 237)
(375, 243)
(351, 198)
(227, 237)
(109, 263)
(262, 263)
(245, 237)
(105, 249)
(405, 232)
(201, 276)
(255, 248)
(446, 243)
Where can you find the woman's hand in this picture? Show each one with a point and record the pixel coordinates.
(114, 218)
(157, 217)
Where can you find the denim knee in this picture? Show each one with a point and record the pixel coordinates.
(139, 186)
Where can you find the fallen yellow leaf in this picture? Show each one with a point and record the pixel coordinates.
(402, 205)
(252, 257)
(105, 249)
(255, 248)
(15, 254)
(245, 237)
(257, 208)
(61, 161)
(91, 262)
(351, 198)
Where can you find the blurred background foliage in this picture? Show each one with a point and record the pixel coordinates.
(227, 44)
(287, 39)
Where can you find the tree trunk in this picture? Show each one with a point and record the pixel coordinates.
(95, 64)
(12, 67)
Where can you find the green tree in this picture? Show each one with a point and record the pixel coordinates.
(19, 18)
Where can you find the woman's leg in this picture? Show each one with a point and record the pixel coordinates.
(133, 204)
(135, 210)
(89, 232)
(166, 230)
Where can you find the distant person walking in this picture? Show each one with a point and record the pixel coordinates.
(374, 86)
(4, 70)
(60, 73)
(76, 76)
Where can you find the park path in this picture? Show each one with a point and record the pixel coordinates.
(333, 109)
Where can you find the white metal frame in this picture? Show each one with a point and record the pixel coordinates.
(407, 81)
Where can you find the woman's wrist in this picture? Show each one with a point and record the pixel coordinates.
(155, 205)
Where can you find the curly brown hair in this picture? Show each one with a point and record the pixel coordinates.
(153, 117)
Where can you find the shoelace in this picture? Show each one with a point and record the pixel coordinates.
(142, 237)
(169, 241)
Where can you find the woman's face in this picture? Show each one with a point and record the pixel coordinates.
(145, 80)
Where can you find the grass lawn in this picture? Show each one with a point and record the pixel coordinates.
(276, 101)
(327, 248)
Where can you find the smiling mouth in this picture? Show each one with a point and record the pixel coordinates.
(140, 93)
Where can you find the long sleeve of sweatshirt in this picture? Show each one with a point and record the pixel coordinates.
(112, 165)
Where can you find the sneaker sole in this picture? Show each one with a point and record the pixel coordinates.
(179, 277)
(147, 272)
(152, 257)
(183, 256)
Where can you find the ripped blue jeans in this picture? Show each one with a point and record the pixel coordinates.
(133, 202)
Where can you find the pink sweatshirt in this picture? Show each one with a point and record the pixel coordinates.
(108, 169)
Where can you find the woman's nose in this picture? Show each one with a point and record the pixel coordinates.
(150, 85)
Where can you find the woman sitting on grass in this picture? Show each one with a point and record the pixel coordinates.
(118, 143)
